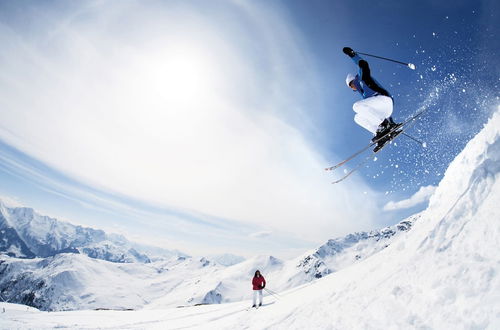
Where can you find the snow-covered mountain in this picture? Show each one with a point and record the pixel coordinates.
(26, 234)
(66, 281)
(226, 259)
(441, 274)
(75, 281)
(342, 252)
(232, 284)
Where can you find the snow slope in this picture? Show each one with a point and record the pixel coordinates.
(232, 284)
(443, 274)
(69, 281)
(61, 275)
(74, 281)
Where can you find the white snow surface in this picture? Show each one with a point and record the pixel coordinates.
(69, 281)
(442, 274)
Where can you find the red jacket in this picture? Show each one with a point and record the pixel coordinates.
(258, 283)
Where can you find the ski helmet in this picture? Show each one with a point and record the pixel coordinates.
(350, 77)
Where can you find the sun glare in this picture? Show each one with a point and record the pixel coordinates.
(176, 89)
(184, 76)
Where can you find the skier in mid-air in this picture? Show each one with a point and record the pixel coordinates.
(374, 111)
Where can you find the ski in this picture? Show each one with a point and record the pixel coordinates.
(403, 126)
(357, 167)
(406, 125)
(367, 159)
(354, 155)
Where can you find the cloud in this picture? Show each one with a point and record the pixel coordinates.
(177, 107)
(11, 201)
(421, 196)
(260, 234)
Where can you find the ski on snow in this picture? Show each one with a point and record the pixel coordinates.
(404, 126)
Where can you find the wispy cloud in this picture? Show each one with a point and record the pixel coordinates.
(11, 201)
(421, 196)
(260, 234)
(178, 108)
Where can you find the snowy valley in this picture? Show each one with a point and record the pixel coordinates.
(52, 265)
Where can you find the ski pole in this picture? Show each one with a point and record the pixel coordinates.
(271, 291)
(410, 65)
(273, 294)
(423, 144)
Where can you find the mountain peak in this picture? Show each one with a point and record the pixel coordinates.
(27, 234)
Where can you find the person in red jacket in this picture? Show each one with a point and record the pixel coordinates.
(258, 283)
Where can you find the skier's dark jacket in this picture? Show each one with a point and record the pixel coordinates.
(258, 283)
(365, 84)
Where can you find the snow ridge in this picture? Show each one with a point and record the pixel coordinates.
(342, 252)
(26, 234)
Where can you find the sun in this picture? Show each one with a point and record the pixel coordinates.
(183, 75)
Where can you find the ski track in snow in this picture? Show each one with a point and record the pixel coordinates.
(443, 274)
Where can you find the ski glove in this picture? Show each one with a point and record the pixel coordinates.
(348, 51)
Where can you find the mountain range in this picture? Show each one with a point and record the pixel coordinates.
(55, 265)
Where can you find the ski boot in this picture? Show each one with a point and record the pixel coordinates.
(393, 126)
(385, 127)
(386, 131)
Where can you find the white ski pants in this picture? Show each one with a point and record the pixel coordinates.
(372, 111)
(255, 293)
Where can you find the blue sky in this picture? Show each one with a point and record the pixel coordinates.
(205, 127)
